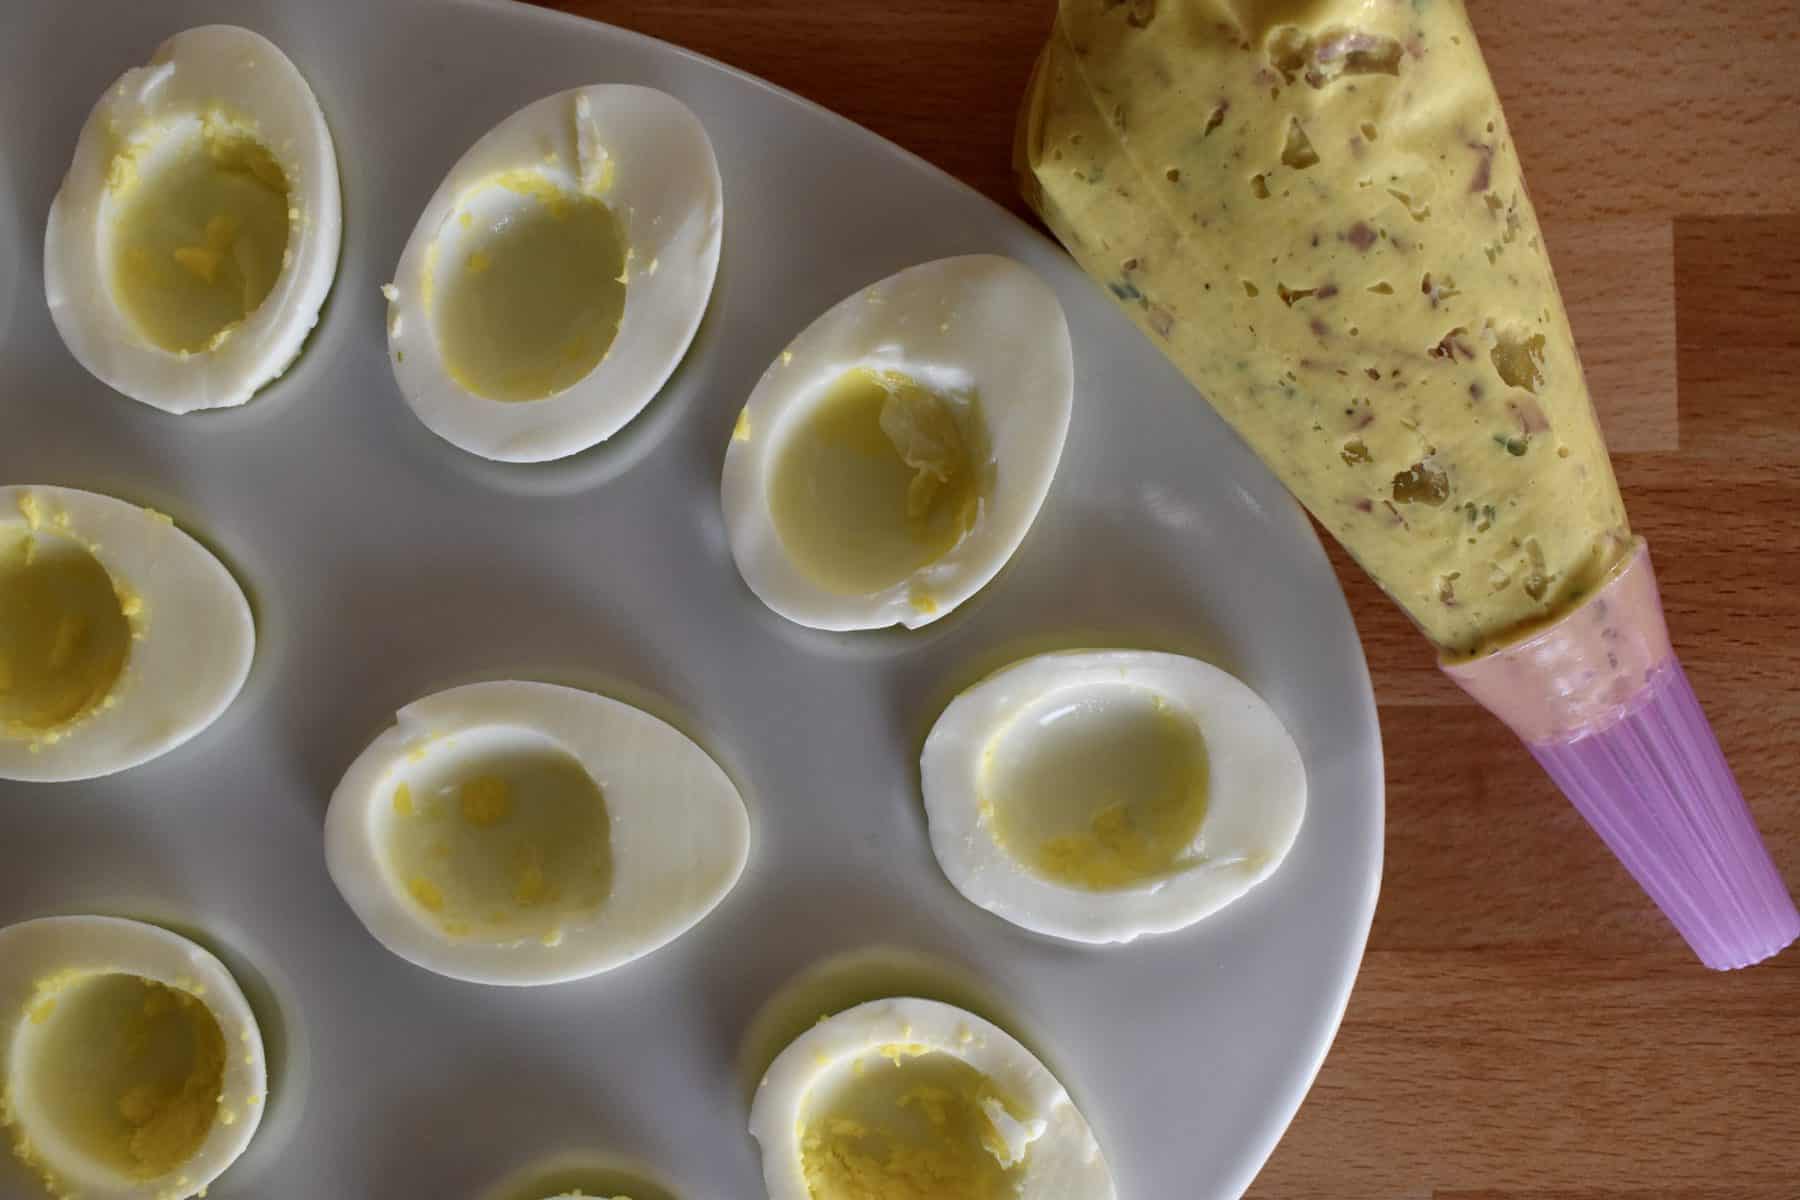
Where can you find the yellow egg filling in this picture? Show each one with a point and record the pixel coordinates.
(503, 846)
(529, 304)
(65, 632)
(907, 1123)
(199, 235)
(880, 477)
(127, 1072)
(1103, 792)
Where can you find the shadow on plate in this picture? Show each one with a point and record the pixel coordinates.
(452, 1131)
(580, 1173)
(432, 627)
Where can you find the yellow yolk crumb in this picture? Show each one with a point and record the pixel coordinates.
(921, 1129)
(538, 186)
(170, 1125)
(203, 260)
(122, 171)
(507, 847)
(426, 893)
(1111, 795)
(1111, 852)
(485, 801)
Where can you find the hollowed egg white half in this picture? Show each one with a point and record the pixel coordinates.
(893, 457)
(133, 1065)
(196, 233)
(558, 274)
(525, 833)
(121, 637)
(908, 1097)
(1100, 795)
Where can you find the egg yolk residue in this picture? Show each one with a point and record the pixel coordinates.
(1103, 792)
(199, 235)
(503, 846)
(880, 477)
(531, 301)
(909, 1124)
(65, 632)
(127, 1071)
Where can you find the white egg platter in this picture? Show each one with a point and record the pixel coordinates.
(665, 538)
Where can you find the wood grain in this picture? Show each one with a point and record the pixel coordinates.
(1526, 1026)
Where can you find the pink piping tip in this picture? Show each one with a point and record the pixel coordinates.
(1601, 701)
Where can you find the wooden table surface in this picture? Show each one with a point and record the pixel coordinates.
(1526, 1025)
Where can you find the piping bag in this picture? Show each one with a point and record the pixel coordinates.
(1315, 209)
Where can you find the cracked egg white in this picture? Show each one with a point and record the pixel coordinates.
(893, 457)
(196, 234)
(558, 274)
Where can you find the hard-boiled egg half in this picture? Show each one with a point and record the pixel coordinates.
(1099, 795)
(121, 637)
(134, 1067)
(892, 458)
(912, 1098)
(524, 833)
(558, 273)
(196, 233)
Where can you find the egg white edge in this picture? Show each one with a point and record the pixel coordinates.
(670, 276)
(199, 654)
(358, 864)
(985, 317)
(220, 63)
(951, 766)
(46, 946)
(1066, 1149)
